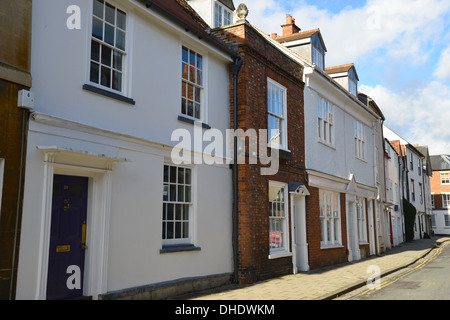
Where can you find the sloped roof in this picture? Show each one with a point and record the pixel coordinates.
(440, 162)
(302, 35)
(180, 12)
(341, 69)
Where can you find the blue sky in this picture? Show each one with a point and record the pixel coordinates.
(401, 49)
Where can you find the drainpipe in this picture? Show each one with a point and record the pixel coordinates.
(235, 69)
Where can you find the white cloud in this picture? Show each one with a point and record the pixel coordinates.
(400, 27)
(443, 70)
(383, 33)
(420, 117)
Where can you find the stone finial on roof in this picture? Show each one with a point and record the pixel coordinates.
(242, 12)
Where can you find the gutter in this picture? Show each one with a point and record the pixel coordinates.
(235, 69)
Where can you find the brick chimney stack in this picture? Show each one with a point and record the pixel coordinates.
(290, 27)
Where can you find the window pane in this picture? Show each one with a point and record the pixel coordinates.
(110, 14)
(95, 51)
(188, 176)
(117, 81)
(98, 8)
(185, 230)
(178, 211)
(166, 173)
(97, 28)
(197, 111)
(199, 62)
(166, 192)
(109, 34)
(186, 212)
(120, 40)
(183, 106)
(180, 194)
(106, 56)
(170, 211)
(173, 192)
(185, 71)
(95, 70)
(121, 20)
(173, 174)
(188, 194)
(118, 57)
(190, 111)
(185, 55)
(106, 77)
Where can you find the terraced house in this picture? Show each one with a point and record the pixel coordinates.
(119, 178)
(339, 151)
(109, 211)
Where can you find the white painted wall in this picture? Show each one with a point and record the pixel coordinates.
(339, 160)
(440, 228)
(68, 117)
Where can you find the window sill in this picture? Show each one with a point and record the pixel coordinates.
(361, 159)
(280, 254)
(326, 247)
(108, 94)
(282, 153)
(326, 144)
(178, 248)
(193, 121)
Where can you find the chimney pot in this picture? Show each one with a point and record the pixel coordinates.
(289, 19)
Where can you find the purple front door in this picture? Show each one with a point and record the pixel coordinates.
(67, 238)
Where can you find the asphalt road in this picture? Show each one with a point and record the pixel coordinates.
(428, 279)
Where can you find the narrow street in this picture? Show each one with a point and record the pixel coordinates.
(428, 279)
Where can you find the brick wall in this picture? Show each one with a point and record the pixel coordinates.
(262, 61)
(438, 188)
(318, 257)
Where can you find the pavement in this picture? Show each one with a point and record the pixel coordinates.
(327, 283)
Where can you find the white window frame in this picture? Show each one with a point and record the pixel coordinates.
(330, 219)
(360, 141)
(361, 214)
(445, 200)
(325, 110)
(126, 71)
(413, 192)
(446, 221)
(200, 86)
(432, 200)
(445, 178)
(2, 169)
(284, 250)
(222, 16)
(168, 201)
(273, 112)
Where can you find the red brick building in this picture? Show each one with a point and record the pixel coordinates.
(269, 96)
(440, 194)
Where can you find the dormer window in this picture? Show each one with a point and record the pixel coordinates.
(222, 15)
(317, 58)
(352, 87)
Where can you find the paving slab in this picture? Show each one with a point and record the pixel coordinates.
(326, 283)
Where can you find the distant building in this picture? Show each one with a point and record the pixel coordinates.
(440, 192)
